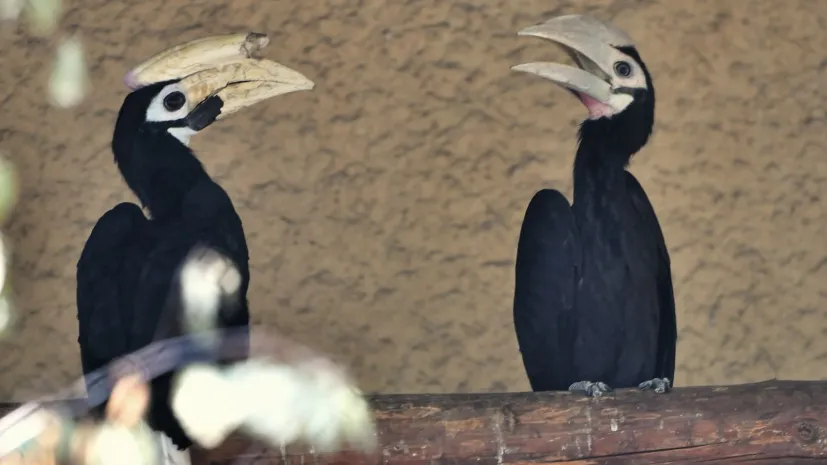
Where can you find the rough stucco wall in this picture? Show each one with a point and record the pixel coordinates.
(383, 209)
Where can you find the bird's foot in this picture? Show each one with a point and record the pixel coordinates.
(207, 278)
(590, 389)
(659, 385)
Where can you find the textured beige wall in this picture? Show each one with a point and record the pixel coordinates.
(382, 209)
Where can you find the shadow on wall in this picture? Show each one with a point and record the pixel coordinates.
(383, 208)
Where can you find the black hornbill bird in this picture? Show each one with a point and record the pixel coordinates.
(593, 304)
(185, 268)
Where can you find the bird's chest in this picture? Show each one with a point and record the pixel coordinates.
(617, 303)
(618, 267)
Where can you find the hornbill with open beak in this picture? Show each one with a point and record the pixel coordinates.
(185, 268)
(593, 306)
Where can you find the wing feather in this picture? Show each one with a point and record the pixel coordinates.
(544, 297)
(668, 329)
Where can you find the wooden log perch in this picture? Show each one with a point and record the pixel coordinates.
(774, 422)
(777, 422)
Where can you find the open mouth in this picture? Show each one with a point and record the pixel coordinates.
(588, 42)
(593, 104)
(586, 79)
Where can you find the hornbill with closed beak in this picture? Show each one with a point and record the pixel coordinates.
(185, 268)
(593, 305)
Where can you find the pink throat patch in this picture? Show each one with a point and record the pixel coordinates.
(597, 109)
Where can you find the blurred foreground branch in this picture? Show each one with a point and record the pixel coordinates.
(69, 79)
(778, 422)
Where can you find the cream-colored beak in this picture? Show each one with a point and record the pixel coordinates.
(224, 66)
(590, 42)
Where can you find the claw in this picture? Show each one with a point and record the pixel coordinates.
(659, 385)
(590, 389)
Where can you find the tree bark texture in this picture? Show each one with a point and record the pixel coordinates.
(774, 422)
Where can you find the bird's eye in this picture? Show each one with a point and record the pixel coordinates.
(174, 101)
(623, 69)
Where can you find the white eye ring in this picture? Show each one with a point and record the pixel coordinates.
(174, 101)
(169, 105)
(623, 69)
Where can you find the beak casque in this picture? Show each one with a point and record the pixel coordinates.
(224, 66)
(590, 42)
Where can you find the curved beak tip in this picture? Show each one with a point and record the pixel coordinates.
(524, 68)
(535, 31)
(300, 82)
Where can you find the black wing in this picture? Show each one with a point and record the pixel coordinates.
(117, 313)
(208, 220)
(544, 296)
(208, 207)
(668, 326)
(104, 316)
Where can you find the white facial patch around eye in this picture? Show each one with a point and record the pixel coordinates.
(618, 103)
(636, 79)
(166, 106)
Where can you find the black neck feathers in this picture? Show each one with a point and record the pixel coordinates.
(156, 166)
